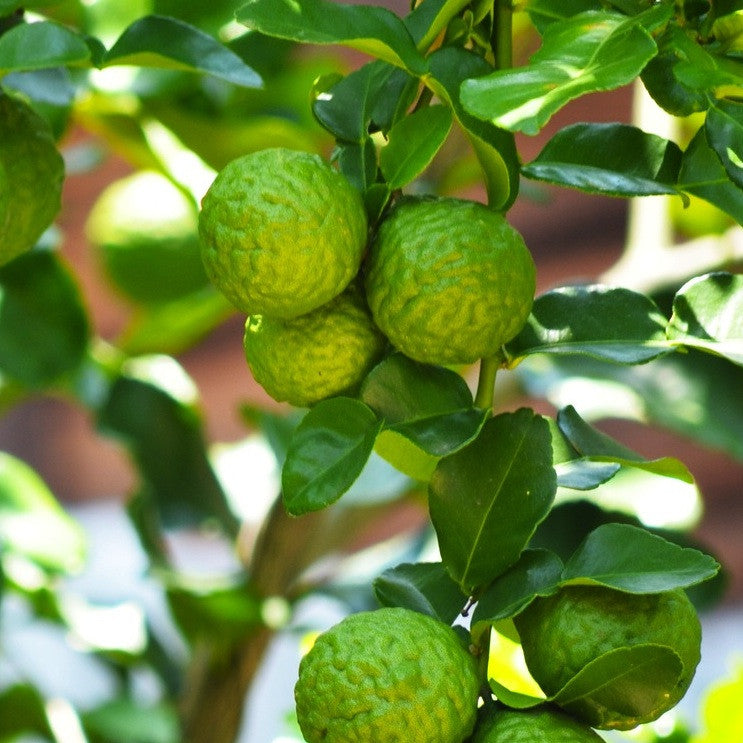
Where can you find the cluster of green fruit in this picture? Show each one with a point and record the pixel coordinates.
(396, 675)
(286, 239)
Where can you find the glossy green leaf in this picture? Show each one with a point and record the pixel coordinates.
(600, 321)
(584, 474)
(370, 29)
(632, 559)
(36, 46)
(602, 448)
(545, 12)
(151, 408)
(413, 143)
(429, 405)
(424, 587)
(428, 19)
(43, 325)
(126, 720)
(702, 174)
(724, 128)
(160, 41)
(405, 456)
(611, 159)
(590, 52)
(358, 162)
(22, 711)
(708, 72)
(708, 315)
(487, 499)
(327, 453)
(639, 675)
(513, 699)
(494, 147)
(32, 523)
(537, 573)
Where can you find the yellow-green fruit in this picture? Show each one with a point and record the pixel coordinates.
(31, 177)
(145, 231)
(323, 353)
(282, 232)
(563, 633)
(387, 676)
(449, 281)
(538, 725)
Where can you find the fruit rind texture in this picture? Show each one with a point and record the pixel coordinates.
(538, 725)
(387, 676)
(449, 281)
(282, 232)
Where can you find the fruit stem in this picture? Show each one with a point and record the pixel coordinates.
(485, 394)
(501, 40)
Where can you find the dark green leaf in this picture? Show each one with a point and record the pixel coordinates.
(708, 315)
(424, 587)
(611, 159)
(639, 675)
(36, 46)
(373, 30)
(124, 720)
(429, 18)
(702, 174)
(43, 325)
(164, 433)
(358, 162)
(327, 453)
(537, 573)
(412, 144)
(494, 147)
(22, 711)
(724, 127)
(602, 448)
(584, 54)
(584, 474)
(488, 498)
(32, 523)
(545, 12)
(707, 72)
(159, 41)
(632, 559)
(608, 323)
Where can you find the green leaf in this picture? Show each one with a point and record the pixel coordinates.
(327, 453)
(640, 675)
(412, 144)
(707, 72)
(487, 499)
(600, 321)
(702, 174)
(611, 159)
(632, 559)
(32, 523)
(163, 430)
(43, 325)
(513, 699)
(22, 711)
(545, 12)
(424, 587)
(728, 31)
(125, 720)
(537, 573)
(584, 474)
(429, 405)
(602, 448)
(708, 315)
(494, 147)
(590, 52)
(724, 128)
(159, 41)
(429, 18)
(358, 162)
(36, 46)
(405, 456)
(372, 30)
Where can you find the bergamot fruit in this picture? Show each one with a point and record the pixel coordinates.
(538, 725)
(323, 353)
(144, 230)
(282, 232)
(387, 676)
(449, 281)
(31, 177)
(563, 633)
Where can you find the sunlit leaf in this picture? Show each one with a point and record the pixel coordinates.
(724, 128)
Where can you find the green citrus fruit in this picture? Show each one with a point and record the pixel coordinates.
(563, 633)
(449, 281)
(145, 232)
(317, 355)
(537, 725)
(282, 232)
(31, 177)
(387, 676)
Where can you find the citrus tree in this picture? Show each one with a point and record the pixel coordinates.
(318, 199)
